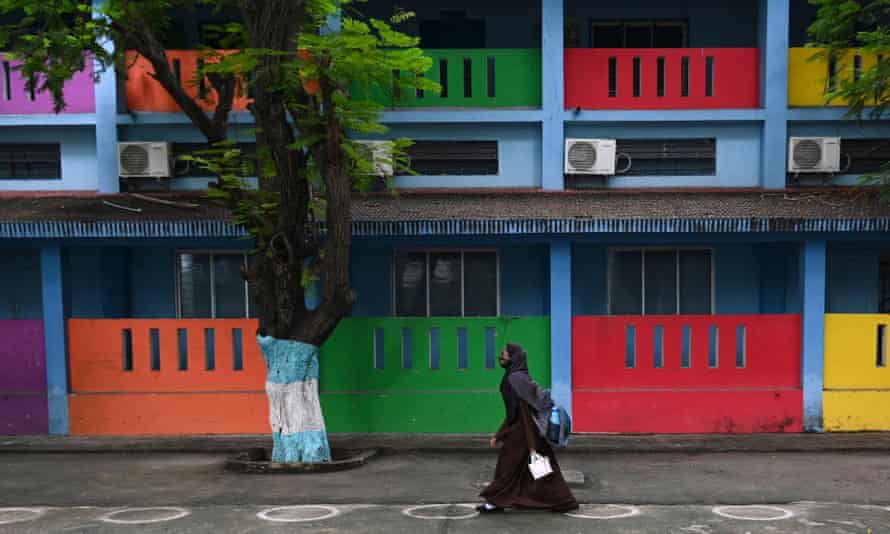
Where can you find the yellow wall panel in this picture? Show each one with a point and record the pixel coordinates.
(851, 352)
(807, 79)
(847, 411)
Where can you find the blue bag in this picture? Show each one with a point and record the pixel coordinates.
(559, 427)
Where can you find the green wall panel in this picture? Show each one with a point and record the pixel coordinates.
(357, 397)
(517, 80)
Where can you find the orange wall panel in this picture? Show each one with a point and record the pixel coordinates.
(97, 354)
(168, 414)
(144, 93)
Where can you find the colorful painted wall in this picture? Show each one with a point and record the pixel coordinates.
(687, 374)
(77, 145)
(23, 407)
(738, 151)
(857, 378)
(377, 375)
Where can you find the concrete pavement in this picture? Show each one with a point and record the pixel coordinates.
(813, 518)
(152, 479)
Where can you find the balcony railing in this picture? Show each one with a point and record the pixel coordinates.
(175, 376)
(17, 100)
(144, 93)
(857, 374)
(662, 78)
(474, 78)
(811, 74)
(711, 373)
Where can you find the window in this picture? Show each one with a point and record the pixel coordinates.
(660, 282)
(446, 283)
(668, 157)
(657, 157)
(30, 161)
(454, 158)
(864, 156)
(211, 286)
(639, 34)
(191, 169)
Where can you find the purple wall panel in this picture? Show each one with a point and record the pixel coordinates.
(23, 408)
(16, 100)
(23, 415)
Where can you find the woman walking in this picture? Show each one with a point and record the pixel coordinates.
(527, 410)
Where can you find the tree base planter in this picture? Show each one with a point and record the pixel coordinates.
(256, 461)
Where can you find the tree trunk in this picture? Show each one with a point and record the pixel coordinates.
(298, 431)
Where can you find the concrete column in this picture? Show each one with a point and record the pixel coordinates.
(774, 16)
(561, 323)
(105, 89)
(54, 333)
(552, 94)
(813, 280)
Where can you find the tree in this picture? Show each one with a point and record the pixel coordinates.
(306, 82)
(842, 30)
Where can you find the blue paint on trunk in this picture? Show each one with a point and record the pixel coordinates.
(309, 446)
(289, 361)
(298, 437)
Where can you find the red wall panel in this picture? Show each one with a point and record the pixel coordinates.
(736, 78)
(763, 394)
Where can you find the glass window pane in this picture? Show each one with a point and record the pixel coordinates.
(695, 282)
(410, 285)
(626, 289)
(445, 287)
(670, 36)
(638, 36)
(228, 286)
(661, 283)
(607, 35)
(194, 285)
(480, 284)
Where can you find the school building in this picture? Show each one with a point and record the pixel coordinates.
(652, 197)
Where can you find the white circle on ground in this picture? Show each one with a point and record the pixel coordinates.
(145, 516)
(298, 514)
(412, 512)
(9, 516)
(753, 513)
(606, 511)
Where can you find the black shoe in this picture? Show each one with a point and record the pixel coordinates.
(482, 509)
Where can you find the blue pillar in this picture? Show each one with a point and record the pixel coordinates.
(813, 277)
(561, 323)
(774, 16)
(552, 94)
(54, 333)
(105, 92)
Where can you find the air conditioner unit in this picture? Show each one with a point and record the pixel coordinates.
(381, 152)
(590, 156)
(814, 154)
(143, 160)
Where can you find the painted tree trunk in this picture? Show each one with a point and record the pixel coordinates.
(295, 416)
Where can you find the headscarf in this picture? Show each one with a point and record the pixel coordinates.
(518, 385)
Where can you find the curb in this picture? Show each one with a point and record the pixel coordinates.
(461, 443)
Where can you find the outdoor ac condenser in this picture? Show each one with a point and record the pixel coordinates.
(382, 155)
(814, 154)
(143, 160)
(590, 156)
